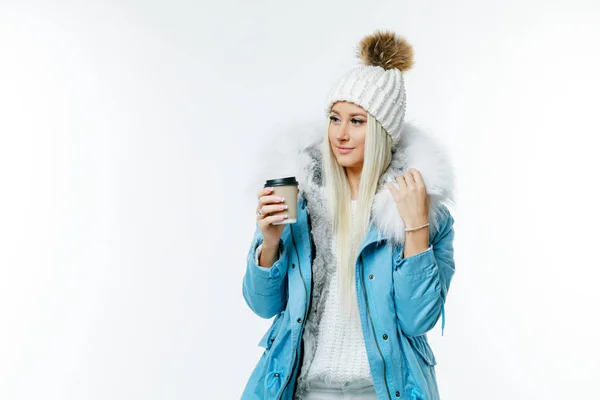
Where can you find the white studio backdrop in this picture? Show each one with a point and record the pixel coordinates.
(129, 129)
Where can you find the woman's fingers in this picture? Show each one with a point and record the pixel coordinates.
(401, 183)
(417, 177)
(394, 190)
(268, 209)
(270, 203)
(409, 179)
(272, 218)
(265, 191)
(266, 200)
(402, 187)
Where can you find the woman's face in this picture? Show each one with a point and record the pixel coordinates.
(348, 129)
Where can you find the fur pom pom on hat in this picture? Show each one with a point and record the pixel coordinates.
(378, 84)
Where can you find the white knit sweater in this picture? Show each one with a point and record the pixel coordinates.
(340, 355)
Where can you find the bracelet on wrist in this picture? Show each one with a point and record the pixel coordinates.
(416, 228)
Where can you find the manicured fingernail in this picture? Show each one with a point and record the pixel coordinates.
(281, 199)
(284, 216)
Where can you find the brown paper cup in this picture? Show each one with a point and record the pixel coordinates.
(288, 189)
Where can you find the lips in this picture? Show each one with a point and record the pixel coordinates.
(344, 150)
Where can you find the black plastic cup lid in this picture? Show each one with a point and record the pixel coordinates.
(291, 180)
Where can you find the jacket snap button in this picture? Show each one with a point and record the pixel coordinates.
(385, 337)
(397, 393)
(276, 373)
(371, 277)
(272, 340)
(293, 265)
(299, 320)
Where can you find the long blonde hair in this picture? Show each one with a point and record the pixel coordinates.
(349, 233)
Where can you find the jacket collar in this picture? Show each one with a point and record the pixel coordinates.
(416, 149)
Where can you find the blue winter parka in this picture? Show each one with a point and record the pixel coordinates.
(399, 298)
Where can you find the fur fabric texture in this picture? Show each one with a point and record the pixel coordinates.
(386, 50)
(416, 149)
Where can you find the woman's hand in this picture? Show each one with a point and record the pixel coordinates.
(411, 199)
(269, 204)
(412, 202)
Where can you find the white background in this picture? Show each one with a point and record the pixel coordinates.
(127, 130)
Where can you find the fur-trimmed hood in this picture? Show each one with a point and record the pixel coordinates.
(298, 154)
(416, 149)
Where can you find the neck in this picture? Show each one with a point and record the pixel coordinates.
(353, 175)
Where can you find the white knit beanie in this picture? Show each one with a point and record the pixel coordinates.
(378, 85)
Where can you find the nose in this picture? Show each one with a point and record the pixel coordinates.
(342, 133)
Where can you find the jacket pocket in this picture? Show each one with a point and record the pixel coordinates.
(269, 337)
(421, 346)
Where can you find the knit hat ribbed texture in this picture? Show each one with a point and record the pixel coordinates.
(378, 85)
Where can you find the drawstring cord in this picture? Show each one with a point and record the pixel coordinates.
(415, 394)
(277, 372)
(443, 318)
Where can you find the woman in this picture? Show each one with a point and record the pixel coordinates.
(361, 277)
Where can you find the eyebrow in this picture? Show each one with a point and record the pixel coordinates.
(351, 114)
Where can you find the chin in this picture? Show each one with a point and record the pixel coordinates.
(342, 162)
(346, 163)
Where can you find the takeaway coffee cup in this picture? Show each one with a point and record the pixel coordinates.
(288, 189)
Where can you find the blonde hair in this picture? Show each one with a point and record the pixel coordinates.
(348, 232)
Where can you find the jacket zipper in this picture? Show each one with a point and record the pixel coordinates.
(292, 367)
(373, 328)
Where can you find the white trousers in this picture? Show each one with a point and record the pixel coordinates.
(358, 390)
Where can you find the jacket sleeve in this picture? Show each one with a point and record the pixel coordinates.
(265, 289)
(421, 281)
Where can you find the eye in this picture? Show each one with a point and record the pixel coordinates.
(357, 120)
(332, 118)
